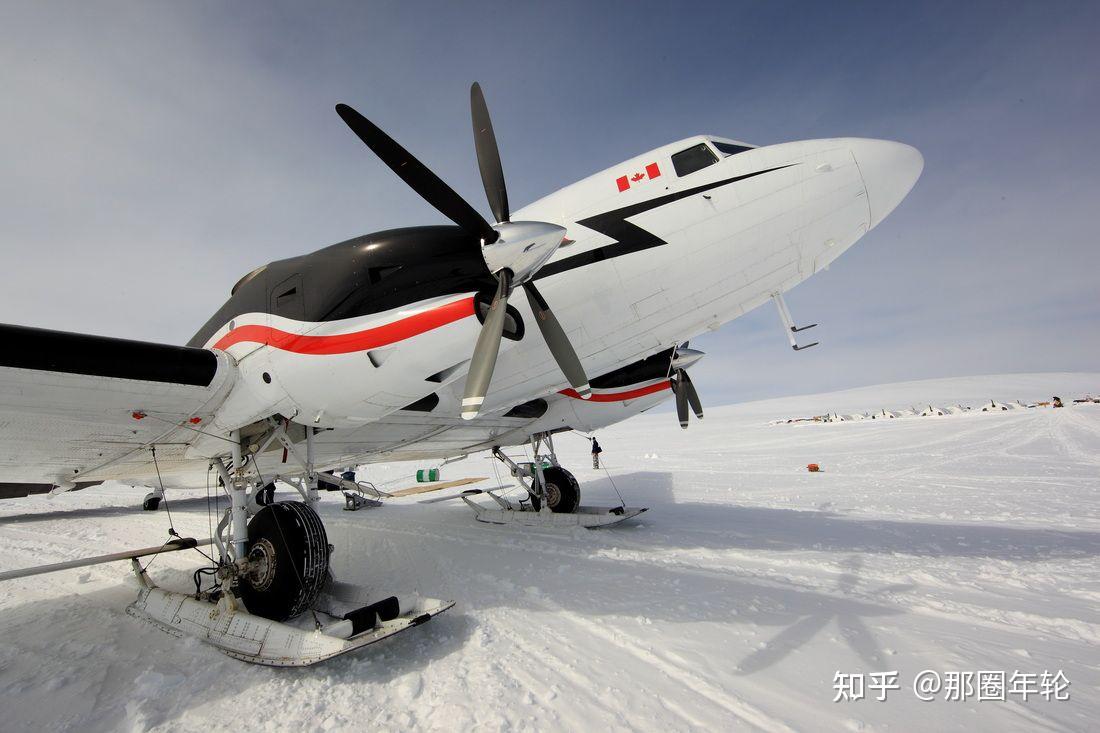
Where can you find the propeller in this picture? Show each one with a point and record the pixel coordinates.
(557, 341)
(417, 175)
(513, 251)
(488, 156)
(486, 349)
(682, 388)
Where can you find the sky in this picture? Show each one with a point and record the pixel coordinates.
(151, 153)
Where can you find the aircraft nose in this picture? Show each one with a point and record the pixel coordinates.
(889, 170)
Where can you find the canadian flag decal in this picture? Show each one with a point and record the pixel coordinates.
(651, 171)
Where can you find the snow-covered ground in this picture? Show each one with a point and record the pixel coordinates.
(958, 543)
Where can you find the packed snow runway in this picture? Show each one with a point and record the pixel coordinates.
(956, 543)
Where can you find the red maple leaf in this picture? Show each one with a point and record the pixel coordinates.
(637, 177)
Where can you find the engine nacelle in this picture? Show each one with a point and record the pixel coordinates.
(345, 373)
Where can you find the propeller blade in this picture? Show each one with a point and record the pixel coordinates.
(692, 395)
(554, 334)
(681, 397)
(417, 175)
(484, 359)
(488, 155)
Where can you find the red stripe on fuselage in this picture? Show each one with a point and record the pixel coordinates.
(620, 396)
(346, 343)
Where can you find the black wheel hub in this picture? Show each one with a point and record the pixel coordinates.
(553, 495)
(263, 561)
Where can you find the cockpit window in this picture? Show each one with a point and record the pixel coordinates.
(730, 148)
(694, 158)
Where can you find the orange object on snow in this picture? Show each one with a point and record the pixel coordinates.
(813, 468)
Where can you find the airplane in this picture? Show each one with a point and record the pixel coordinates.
(409, 344)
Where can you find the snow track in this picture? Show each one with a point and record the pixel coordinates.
(966, 542)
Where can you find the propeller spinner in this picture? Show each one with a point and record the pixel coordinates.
(513, 251)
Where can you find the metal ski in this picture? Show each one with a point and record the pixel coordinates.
(507, 512)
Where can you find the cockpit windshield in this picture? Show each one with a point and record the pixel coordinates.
(729, 149)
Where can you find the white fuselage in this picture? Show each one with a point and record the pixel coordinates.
(727, 249)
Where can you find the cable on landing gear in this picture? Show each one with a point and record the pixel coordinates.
(160, 484)
(596, 463)
(213, 593)
(173, 536)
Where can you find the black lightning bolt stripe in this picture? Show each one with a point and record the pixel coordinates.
(630, 238)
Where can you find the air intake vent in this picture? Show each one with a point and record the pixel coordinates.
(425, 404)
(529, 410)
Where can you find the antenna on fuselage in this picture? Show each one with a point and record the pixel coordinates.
(789, 328)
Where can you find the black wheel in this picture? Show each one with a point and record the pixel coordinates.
(151, 503)
(289, 553)
(265, 495)
(563, 493)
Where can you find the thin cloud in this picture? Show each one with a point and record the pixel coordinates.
(155, 152)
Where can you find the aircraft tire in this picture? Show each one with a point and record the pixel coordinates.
(562, 490)
(289, 551)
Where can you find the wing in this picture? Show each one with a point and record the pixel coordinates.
(78, 409)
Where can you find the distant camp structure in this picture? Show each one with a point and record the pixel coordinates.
(930, 410)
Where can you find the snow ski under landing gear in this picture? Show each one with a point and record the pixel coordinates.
(554, 495)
